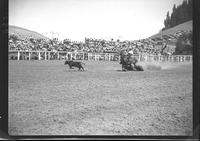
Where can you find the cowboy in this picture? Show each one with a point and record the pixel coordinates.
(130, 53)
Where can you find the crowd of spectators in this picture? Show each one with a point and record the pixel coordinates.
(152, 46)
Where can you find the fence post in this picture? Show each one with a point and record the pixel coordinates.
(184, 58)
(58, 56)
(145, 58)
(45, 55)
(49, 55)
(88, 56)
(29, 55)
(188, 58)
(159, 58)
(18, 55)
(39, 56)
(67, 56)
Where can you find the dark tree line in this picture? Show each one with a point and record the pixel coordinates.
(180, 14)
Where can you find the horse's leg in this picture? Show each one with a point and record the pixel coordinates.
(82, 68)
(123, 68)
(134, 69)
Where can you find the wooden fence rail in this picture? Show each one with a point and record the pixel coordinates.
(63, 55)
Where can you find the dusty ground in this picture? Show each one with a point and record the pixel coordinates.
(46, 98)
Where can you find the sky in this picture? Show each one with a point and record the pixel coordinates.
(100, 19)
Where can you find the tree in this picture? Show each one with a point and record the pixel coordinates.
(189, 9)
(173, 17)
(183, 12)
(180, 14)
(167, 21)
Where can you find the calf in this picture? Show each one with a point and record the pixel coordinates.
(74, 64)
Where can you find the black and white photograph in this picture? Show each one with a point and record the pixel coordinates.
(100, 67)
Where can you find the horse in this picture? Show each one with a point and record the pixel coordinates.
(128, 62)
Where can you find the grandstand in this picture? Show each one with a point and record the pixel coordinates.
(164, 43)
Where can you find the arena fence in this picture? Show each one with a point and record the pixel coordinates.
(64, 55)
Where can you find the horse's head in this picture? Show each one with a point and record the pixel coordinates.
(66, 62)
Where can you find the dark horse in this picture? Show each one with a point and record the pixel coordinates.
(129, 62)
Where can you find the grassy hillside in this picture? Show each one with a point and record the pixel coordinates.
(187, 26)
(172, 35)
(25, 33)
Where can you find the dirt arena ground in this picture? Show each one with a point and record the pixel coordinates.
(46, 98)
